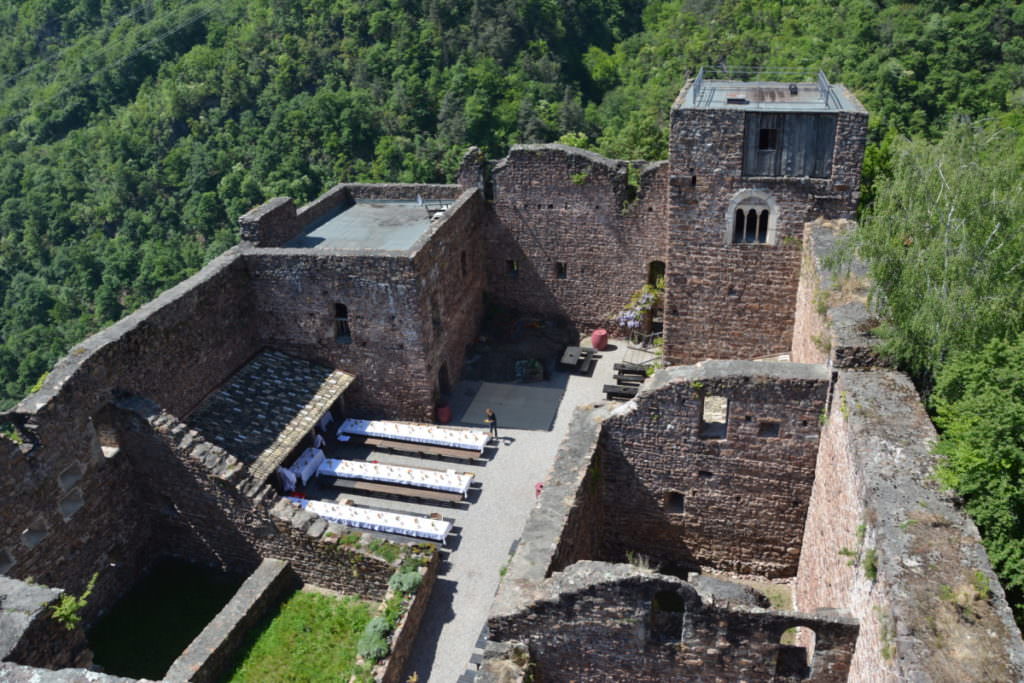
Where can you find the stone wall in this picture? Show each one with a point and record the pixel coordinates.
(29, 633)
(211, 510)
(600, 622)
(737, 300)
(211, 653)
(886, 542)
(294, 294)
(450, 267)
(832, 321)
(555, 204)
(405, 632)
(87, 513)
(730, 496)
(882, 538)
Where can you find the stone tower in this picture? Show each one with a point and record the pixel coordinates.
(750, 162)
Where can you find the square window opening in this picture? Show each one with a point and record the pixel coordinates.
(561, 270)
(512, 268)
(768, 139)
(675, 503)
(714, 416)
(768, 428)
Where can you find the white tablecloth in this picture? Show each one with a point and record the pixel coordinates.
(389, 522)
(307, 463)
(451, 481)
(466, 439)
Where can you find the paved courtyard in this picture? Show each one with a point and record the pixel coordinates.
(487, 526)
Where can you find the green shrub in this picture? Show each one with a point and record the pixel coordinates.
(372, 647)
(405, 582)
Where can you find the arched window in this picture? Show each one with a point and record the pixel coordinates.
(751, 218)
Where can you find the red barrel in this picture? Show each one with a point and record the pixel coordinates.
(599, 339)
(444, 414)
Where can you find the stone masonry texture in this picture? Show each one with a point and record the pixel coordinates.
(557, 204)
(743, 489)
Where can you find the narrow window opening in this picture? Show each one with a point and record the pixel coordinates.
(704, 474)
(34, 535)
(714, 416)
(462, 263)
(512, 268)
(561, 270)
(71, 503)
(106, 433)
(750, 235)
(674, 503)
(767, 428)
(342, 333)
(655, 272)
(70, 476)
(767, 139)
(737, 226)
(435, 316)
(6, 561)
(762, 227)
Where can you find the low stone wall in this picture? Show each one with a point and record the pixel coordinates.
(405, 633)
(277, 220)
(212, 652)
(601, 622)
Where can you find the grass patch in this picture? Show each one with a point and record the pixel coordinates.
(312, 637)
(385, 549)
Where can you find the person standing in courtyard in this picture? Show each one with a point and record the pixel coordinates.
(492, 421)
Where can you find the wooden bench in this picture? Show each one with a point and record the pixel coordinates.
(396, 490)
(633, 368)
(423, 448)
(618, 391)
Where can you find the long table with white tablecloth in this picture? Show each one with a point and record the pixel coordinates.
(451, 481)
(466, 439)
(377, 520)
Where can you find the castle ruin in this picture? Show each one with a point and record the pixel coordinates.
(363, 303)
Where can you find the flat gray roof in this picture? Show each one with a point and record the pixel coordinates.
(377, 225)
(768, 96)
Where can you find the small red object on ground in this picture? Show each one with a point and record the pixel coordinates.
(444, 414)
(599, 339)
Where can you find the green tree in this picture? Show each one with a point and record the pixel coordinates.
(944, 245)
(978, 402)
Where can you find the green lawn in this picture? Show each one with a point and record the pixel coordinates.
(311, 638)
